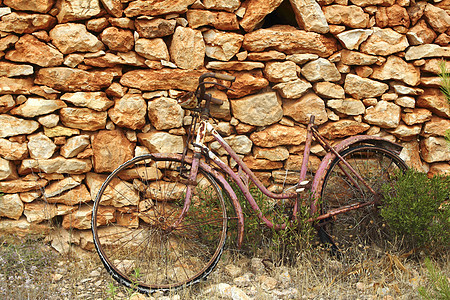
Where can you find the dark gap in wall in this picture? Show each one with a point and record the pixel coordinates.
(283, 15)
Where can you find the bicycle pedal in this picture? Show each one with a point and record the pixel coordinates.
(302, 186)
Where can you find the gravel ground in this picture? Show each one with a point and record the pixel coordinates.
(31, 269)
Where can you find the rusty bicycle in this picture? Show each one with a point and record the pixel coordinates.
(160, 221)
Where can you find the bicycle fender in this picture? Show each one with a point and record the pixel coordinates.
(330, 156)
(224, 184)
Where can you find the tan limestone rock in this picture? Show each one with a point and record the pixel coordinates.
(113, 7)
(74, 10)
(278, 135)
(309, 15)
(220, 20)
(59, 131)
(261, 164)
(73, 196)
(9, 69)
(434, 65)
(40, 6)
(156, 7)
(81, 218)
(434, 100)
(154, 28)
(152, 49)
(71, 37)
(58, 187)
(83, 118)
(384, 114)
(227, 5)
(111, 149)
(247, 83)
(131, 58)
(36, 107)
(329, 90)
(222, 45)
(241, 144)
(259, 109)
(22, 227)
(302, 109)
(20, 185)
(351, 16)
(30, 50)
(22, 22)
(8, 41)
(421, 34)
(7, 170)
(354, 58)
(58, 165)
(165, 113)
(6, 103)
(292, 89)
(443, 39)
(97, 101)
(97, 25)
(117, 39)
(281, 71)
(348, 106)
(360, 88)
(392, 16)
(40, 146)
(74, 146)
(439, 169)
(11, 126)
(289, 40)
(384, 42)
(187, 49)
(416, 116)
(406, 133)
(436, 127)
(256, 11)
(73, 80)
(426, 51)
(396, 68)
(164, 79)
(234, 65)
(342, 128)
(352, 39)
(12, 150)
(20, 86)
(434, 149)
(11, 206)
(438, 18)
(37, 212)
(267, 56)
(129, 111)
(321, 69)
(279, 153)
(411, 155)
(223, 111)
(365, 3)
(161, 142)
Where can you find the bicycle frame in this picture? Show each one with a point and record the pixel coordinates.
(200, 148)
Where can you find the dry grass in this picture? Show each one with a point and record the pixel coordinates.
(31, 269)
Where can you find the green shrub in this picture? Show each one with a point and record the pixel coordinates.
(438, 287)
(445, 88)
(417, 208)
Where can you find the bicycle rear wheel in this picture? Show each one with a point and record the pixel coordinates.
(133, 224)
(364, 225)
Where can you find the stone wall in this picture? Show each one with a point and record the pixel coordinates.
(87, 84)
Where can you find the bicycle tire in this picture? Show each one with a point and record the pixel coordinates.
(136, 242)
(364, 225)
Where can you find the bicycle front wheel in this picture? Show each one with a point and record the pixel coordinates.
(341, 189)
(137, 230)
